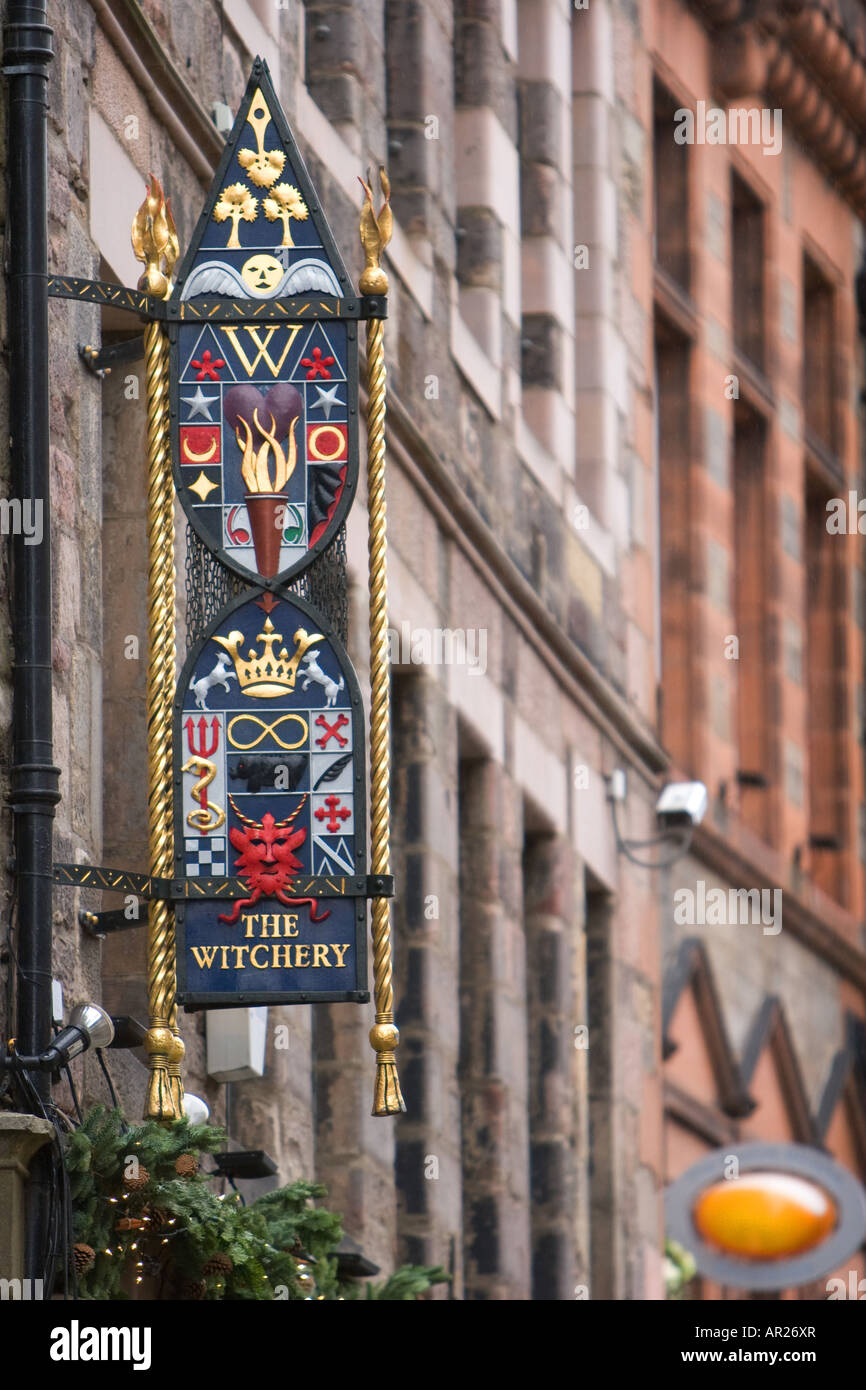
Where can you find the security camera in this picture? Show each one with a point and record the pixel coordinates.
(681, 804)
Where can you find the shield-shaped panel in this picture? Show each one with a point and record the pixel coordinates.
(269, 811)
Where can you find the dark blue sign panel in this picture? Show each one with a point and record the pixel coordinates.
(269, 811)
(264, 366)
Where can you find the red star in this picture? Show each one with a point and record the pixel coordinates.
(208, 366)
(318, 365)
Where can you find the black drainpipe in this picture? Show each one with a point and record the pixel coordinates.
(34, 790)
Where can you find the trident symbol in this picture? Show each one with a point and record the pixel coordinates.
(203, 751)
(209, 817)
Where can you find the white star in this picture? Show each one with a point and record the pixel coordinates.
(327, 399)
(199, 404)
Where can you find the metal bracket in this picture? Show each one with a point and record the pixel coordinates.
(100, 361)
(374, 306)
(380, 886)
(185, 889)
(298, 309)
(101, 924)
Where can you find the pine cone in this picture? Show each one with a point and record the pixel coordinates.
(186, 1165)
(157, 1217)
(193, 1289)
(135, 1184)
(83, 1257)
(218, 1264)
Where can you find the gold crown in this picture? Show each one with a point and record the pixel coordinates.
(272, 673)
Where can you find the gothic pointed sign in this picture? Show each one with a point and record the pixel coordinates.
(264, 351)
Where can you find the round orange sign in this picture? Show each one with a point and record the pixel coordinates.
(764, 1215)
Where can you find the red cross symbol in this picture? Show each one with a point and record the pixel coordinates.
(318, 365)
(210, 365)
(330, 815)
(333, 730)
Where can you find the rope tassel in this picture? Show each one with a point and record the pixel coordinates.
(384, 1035)
(154, 241)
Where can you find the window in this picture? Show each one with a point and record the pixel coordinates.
(747, 271)
(672, 370)
(818, 366)
(826, 614)
(670, 192)
(750, 610)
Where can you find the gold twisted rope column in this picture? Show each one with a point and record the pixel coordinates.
(384, 1035)
(155, 242)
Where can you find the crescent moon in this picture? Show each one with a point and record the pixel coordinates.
(200, 458)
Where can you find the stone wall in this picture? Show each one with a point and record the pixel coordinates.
(503, 840)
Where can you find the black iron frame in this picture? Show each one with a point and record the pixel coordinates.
(35, 786)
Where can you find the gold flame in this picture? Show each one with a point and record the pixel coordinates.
(255, 464)
(154, 241)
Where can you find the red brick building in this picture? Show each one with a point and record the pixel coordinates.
(758, 245)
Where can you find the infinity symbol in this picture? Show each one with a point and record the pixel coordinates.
(267, 729)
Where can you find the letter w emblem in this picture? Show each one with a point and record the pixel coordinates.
(262, 343)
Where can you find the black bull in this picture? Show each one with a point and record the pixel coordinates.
(266, 769)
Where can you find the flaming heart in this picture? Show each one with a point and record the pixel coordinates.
(268, 419)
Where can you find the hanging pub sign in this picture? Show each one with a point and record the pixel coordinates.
(257, 885)
(269, 811)
(264, 358)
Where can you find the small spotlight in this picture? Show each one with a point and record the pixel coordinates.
(88, 1026)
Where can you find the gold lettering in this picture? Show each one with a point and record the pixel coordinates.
(225, 951)
(275, 923)
(281, 956)
(239, 956)
(299, 959)
(204, 956)
(291, 921)
(320, 954)
(232, 335)
(249, 922)
(342, 951)
(253, 952)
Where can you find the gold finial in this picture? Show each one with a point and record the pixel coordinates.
(154, 241)
(375, 235)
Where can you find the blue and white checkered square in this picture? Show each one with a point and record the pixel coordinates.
(206, 857)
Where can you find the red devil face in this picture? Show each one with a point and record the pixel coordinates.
(267, 844)
(266, 857)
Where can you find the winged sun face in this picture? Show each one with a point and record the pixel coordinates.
(262, 274)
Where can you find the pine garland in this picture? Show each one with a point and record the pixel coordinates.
(193, 1243)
